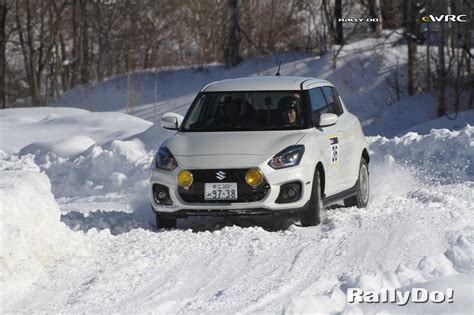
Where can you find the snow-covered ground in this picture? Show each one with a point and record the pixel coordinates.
(78, 235)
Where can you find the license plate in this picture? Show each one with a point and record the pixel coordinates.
(220, 191)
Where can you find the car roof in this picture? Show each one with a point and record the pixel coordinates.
(265, 83)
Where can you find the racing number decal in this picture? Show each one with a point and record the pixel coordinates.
(334, 150)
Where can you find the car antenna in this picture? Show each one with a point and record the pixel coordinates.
(278, 72)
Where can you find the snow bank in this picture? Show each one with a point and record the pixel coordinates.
(434, 273)
(62, 148)
(460, 121)
(442, 155)
(32, 235)
(82, 153)
(409, 175)
(401, 115)
(65, 131)
(114, 166)
(122, 165)
(10, 162)
(153, 136)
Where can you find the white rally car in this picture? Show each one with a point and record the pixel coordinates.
(260, 145)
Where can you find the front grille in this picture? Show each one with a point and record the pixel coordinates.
(245, 193)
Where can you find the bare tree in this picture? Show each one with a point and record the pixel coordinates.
(329, 21)
(375, 11)
(428, 54)
(38, 26)
(84, 56)
(459, 59)
(441, 69)
(64, 43)
(411, 34)
(339, 34)
(3, 60)
(232, 51)
(104, 20)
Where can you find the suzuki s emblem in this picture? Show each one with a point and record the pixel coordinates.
(220, 175)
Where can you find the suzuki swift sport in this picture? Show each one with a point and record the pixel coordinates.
(260, 145)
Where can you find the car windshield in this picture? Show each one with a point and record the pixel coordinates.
(246, 111)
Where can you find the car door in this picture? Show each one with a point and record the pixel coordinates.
(346, 139)
(331, 139)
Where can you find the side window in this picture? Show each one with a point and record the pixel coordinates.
(339, 109)
(318, 104)
(332, 100)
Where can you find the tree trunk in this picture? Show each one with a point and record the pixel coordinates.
(324, 42)
(468, 57)
(34, 80)
(3, 60)
(232, 52)
(37, 42)
(428, 62)
(100, 51)
(411, 36)
(441, 72)
(73, 64)
(65, 66)
(84, 44)
(339, 35)
(375, 11)
(413, 87)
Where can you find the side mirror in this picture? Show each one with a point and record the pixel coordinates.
(327, 119)
(171, 121)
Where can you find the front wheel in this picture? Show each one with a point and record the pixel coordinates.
(311, 216)
(361, 199)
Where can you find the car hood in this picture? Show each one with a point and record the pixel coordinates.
(232, 143)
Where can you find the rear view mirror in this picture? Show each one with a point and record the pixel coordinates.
(327, 119)
(171, 121)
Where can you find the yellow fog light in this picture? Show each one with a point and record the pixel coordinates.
(185, 179)
(254, 177)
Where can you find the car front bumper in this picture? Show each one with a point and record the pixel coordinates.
(267, 205)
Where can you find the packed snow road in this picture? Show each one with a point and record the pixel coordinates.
(92, 247)
(249, 269)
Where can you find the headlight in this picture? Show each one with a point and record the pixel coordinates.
(165, 160)
(290, 156)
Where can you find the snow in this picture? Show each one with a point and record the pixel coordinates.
(403, 115)
(100, 169)
(78, 234)
(32, 233)
(454, 122)
(64, 131)
(449, 160)
(434, 273)
(106, 255)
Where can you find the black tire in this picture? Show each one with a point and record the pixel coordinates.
(165, 222)
(311, 216)
(362, 198)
